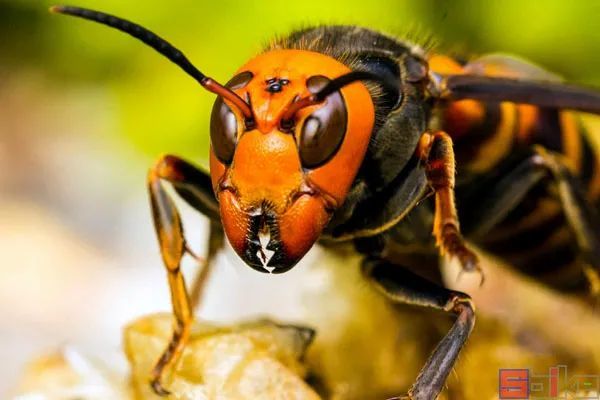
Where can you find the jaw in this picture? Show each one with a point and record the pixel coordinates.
(263, 247)
(268, 241)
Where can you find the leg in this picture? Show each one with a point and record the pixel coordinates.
(169, 230)
(487, 209)
(403, 286)
(582, 218)
(435, 150)
(192, 184)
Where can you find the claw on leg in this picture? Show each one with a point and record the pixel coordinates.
(454, 246)
(170, 356)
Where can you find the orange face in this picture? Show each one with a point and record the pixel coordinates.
(278, 182)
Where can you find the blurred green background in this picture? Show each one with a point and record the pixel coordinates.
(85, 109)
(160, 109)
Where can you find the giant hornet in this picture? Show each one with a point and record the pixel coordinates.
(340, 133)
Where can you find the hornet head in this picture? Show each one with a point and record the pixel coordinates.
(280, 175)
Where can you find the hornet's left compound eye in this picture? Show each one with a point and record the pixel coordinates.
(323, 131)
(224, 125)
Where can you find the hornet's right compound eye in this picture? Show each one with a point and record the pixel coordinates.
(224, 125)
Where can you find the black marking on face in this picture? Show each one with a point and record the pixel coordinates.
(263, 221)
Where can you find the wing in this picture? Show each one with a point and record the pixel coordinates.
(540, 93)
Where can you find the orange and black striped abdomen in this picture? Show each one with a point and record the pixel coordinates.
(490, 139)
(506, 128)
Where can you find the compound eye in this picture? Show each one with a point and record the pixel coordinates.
(323, 131)
(240, 80)
(224, 125)
(223, 131)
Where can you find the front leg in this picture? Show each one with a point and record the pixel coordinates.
(402, 286)
(436, 152)
(195, 188)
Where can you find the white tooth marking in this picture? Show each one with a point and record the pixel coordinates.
(264, 254)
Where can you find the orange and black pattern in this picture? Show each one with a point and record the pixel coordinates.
(534, 236)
